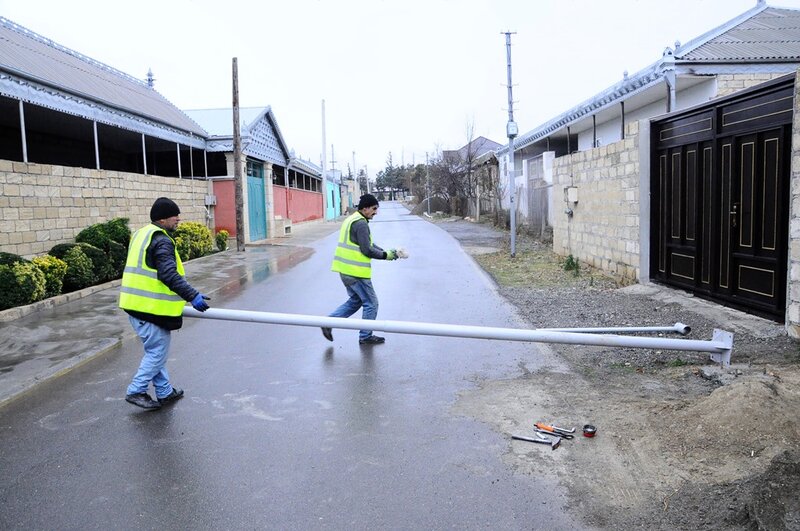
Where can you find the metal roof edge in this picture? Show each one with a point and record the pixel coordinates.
(629, 86)
(695, 43)
(49, 42)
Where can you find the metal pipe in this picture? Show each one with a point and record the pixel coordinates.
(720, 346)
(677, 328)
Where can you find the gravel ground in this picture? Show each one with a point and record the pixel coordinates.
(682, 444)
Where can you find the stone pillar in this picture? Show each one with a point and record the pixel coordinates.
(793, 266)
(269, 197)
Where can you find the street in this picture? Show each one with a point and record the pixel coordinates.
(281, 429)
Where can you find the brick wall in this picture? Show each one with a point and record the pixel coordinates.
(42, 205)
(604, 228)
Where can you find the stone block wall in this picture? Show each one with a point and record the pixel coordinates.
(42, 205)
(603, 230)
(793, 280)
(730, 83)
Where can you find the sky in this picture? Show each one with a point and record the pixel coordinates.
(404, 77)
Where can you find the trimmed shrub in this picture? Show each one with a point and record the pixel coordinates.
(10, 258)
(79, 269)
(193, 240)
(20, 283)
(222, 240)
(54, 270)
(94, 235)
(101, 265)
(117, 229)
(60, 250)
(118, 255)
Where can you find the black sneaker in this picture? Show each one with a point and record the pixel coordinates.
(142, 400)
(176, 394)
(372, 340)
(328, 333)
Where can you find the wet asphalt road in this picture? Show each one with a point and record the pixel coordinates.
(280, 429)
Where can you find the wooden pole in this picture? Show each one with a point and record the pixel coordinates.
(237, 162)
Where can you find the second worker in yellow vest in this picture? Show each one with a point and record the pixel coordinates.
(352, 260)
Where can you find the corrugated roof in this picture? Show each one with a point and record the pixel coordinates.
(29, 55)
(772, 34)
(760, 35)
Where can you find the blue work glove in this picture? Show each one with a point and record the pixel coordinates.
(199, 302)
(391, 254)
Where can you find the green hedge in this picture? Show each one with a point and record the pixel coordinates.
(10, 258)
(193, 240)
(79, 273)
(118, 230)
(54, 270)
(99, 255)
(23, 283)
(222, 240)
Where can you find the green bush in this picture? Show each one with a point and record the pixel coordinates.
(193, 240)
(10, 258)
(118, 255)
(79, 269)
(222, 240)
(61, 250)
(20, 283)
(101, 264)
(118, 230)
(54, 270)
(94, 235)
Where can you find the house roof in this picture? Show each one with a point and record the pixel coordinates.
(38, 70)
(265, 143)
(760, 35)
(770, 34)
(474, 149)
(219, 122)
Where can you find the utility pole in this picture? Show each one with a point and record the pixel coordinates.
(428, 182)
(511, 132)
(237, 162)
(324, 169)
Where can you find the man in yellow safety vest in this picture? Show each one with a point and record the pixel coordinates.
(153, 294)
(352, 260)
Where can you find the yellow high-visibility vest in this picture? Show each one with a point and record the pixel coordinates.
(348, 258)
(141, 291)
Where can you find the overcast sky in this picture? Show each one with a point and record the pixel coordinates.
(399, 76)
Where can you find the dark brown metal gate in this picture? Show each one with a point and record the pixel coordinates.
(720, 198)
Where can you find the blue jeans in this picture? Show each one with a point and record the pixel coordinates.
(361, 294)
(153, 367)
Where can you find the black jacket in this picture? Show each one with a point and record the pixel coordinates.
(160, 255)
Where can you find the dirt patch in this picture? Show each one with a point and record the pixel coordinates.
(681, 444)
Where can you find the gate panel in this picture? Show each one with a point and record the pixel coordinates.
(720, 199)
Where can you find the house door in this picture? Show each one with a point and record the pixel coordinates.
(256, 210)
(720, 199)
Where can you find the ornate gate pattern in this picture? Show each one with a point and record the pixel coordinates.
(720, 199)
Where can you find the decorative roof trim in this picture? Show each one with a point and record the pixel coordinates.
(67, 102)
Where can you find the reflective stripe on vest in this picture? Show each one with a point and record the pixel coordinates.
(348, 258)
(141, 290)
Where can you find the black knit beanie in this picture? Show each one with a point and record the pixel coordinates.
(163, 208)
(366, 201)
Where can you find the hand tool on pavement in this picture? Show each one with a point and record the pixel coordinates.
(554, 429)
(552, 441)
(589, 430)
(560, 435)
